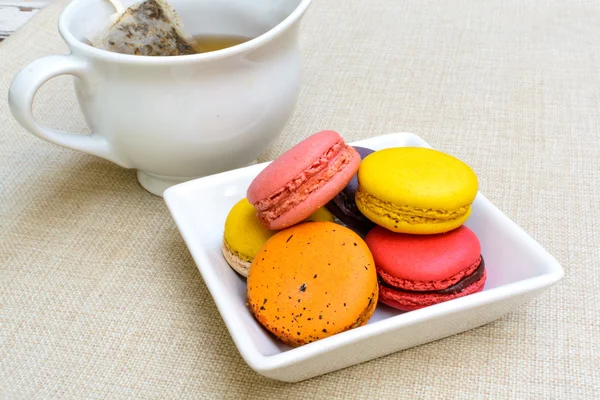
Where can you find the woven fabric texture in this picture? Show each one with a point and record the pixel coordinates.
(99, 297)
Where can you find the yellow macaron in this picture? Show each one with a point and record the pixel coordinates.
(244, 235)
(415, 190)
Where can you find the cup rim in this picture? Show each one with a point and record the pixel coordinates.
(252, 44)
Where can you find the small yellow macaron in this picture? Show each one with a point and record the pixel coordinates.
(415, 190)
(321, 215)
(244, 235)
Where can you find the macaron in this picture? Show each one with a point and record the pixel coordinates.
(244, 235)
(311, 281)
(343, 206)
(417, 271)
(302, 179)
(415, 190)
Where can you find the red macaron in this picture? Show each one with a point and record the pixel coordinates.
(303, 179)
(417, 271)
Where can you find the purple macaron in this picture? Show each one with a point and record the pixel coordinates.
(343, 206)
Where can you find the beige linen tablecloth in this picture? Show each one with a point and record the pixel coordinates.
(99, 297)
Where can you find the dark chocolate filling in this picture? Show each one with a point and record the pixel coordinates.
(348, 201)
(344, 207)
(360, 224)
(456, 288)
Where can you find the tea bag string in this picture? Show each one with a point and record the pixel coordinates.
(120, 10)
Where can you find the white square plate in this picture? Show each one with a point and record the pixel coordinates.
(518, 269)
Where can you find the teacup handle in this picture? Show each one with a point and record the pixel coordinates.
(22, 92)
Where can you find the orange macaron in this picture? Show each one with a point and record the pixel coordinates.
(311, 281)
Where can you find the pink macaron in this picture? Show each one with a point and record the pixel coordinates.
(417, 271)
(303, 179)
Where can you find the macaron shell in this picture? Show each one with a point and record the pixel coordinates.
(403, 223)
(311, 281)
(409, 301)
(287, 166)
(317, 197)
(244, 234)
(235, 262)
(418, 177)
(321, 215)
(353, 184)
(427, 258)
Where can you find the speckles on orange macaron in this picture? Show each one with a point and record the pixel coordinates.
(311, 281)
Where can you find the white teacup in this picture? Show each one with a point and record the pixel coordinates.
(176, 118)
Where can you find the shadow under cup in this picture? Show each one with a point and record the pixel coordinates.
(178, 118)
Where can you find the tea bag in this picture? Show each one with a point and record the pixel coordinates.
(147, 28)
